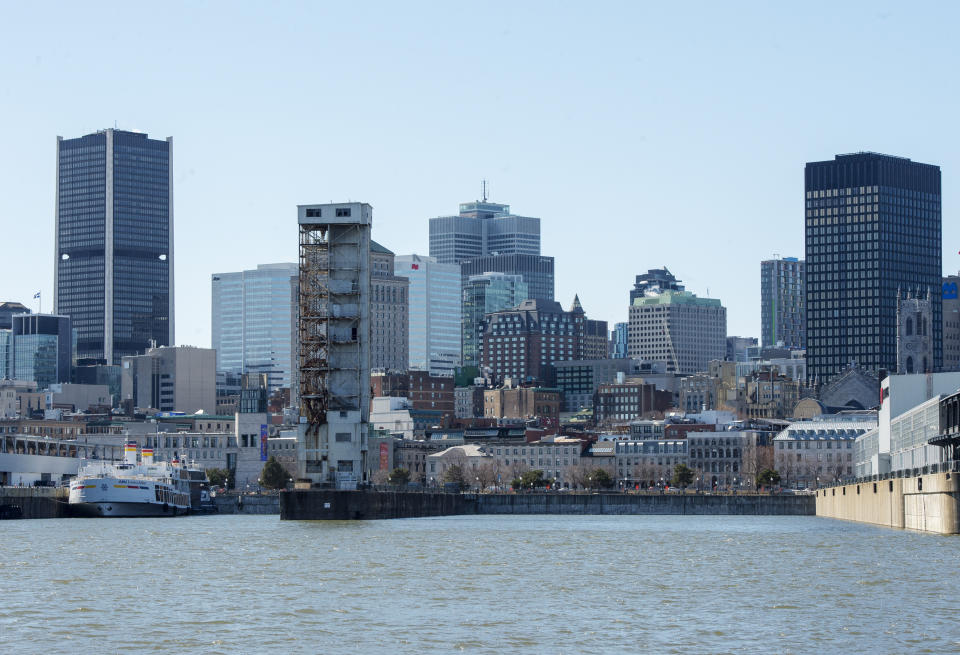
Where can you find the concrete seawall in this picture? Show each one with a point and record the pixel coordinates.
(241, 504)
(36, 502)
(321, 504)
(928, 503)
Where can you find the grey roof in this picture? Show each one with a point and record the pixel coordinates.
(825, 430)
(376, 247)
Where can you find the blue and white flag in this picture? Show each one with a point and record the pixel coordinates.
(36, 295)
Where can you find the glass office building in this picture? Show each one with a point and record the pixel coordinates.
(536, 271)
(253, 322)
(873, 227)
(114, 242)
(435, 313)
(486, 294)
(782, 316)
(40, 348)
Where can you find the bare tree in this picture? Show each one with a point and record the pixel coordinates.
(486, 474)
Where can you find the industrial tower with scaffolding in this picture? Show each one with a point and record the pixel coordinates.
(334, 342)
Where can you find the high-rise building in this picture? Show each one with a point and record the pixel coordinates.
(739, 348)
(536, 271)
(951, 322)
(171, 378)
(873, 227)
(482, 295)
(435, 313)
(7, 310)
(113, 266)
(6, 345)
(782, 316)
(253, 322)
(389, 313)
(40, 349)
(618, 341)
(677, 328)
(483, 228)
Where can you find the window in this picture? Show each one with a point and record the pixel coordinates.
(343, 212)
(343, 437)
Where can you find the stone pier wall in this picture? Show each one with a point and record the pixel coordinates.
(365, 505)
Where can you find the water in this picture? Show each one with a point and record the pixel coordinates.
(504, 584)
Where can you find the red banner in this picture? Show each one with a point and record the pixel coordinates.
(384, 457)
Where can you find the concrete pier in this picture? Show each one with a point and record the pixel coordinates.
(322, 504)
(928, 503)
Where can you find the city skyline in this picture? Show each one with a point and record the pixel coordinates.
(610, 179)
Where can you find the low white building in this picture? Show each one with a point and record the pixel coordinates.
(392, 415)
(500, 463)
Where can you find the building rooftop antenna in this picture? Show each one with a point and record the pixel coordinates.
(483, 190)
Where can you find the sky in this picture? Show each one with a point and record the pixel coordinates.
(642, 134)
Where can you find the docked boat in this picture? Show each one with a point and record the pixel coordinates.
(131, 488)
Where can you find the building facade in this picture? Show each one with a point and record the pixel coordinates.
(253, 322)
(873, 227)
(951, 322)
(435, 314)
(914, 333)
(679, 329)
(620, 402)
(782, 315)
(485, 294)
(425, 391)
(171, 379)
(390, 312)
(113, 267)
(482, 228)
(580, 378)
(619, 341)
(524, 342)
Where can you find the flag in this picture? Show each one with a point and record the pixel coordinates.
(36, 295)
(415, 267)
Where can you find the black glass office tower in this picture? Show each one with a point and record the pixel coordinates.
(114, 249)
(873, 226)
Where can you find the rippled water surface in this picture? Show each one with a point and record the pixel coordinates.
(504, 584)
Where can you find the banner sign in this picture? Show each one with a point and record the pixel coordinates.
(263, 443)
(384, 457)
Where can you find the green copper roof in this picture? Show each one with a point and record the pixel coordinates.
(676, 298)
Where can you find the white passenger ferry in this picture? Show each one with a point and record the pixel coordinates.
(131, 488)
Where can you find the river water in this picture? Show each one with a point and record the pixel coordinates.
(487, 584)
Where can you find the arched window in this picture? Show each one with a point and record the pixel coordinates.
(909, 364)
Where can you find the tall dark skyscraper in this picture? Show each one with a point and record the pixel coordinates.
(873, 226)
(114, 242)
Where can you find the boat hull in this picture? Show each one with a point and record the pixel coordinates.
(121, 510)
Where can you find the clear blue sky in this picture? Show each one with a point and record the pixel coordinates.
(642, 134)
